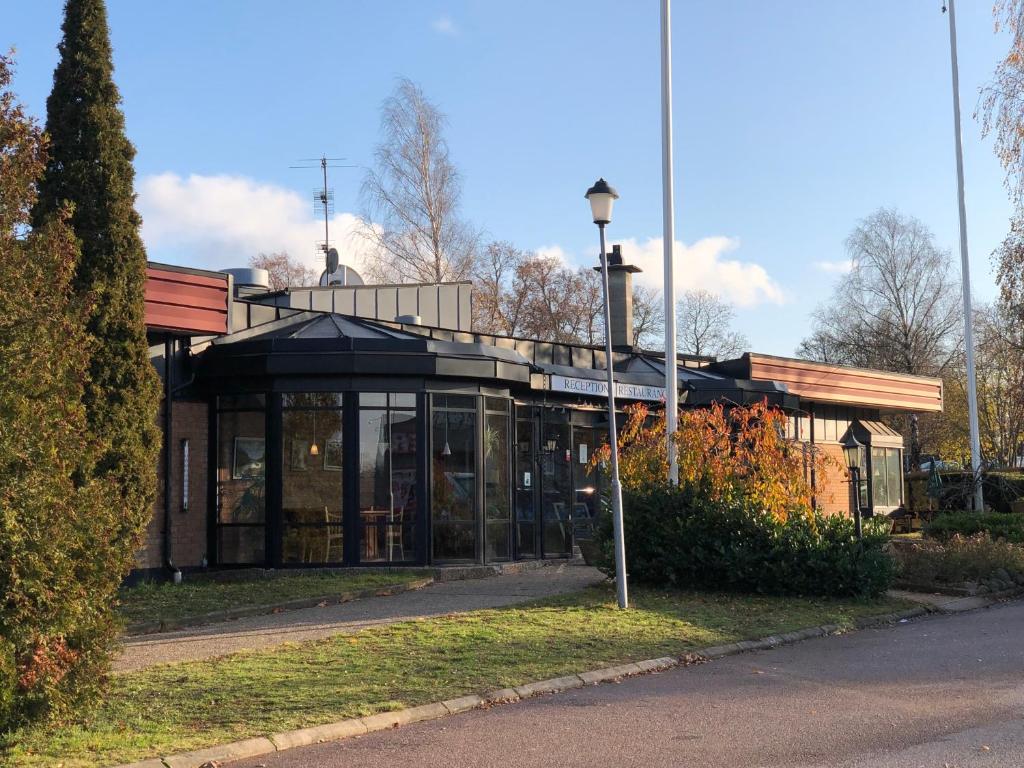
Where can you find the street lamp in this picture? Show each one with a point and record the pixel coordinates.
(602, 197)
(851, 450)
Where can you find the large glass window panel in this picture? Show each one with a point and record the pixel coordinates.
(241, 484)
(556, 487)
(241, 544)
(895, 476)
(311, 474)
(879, 478)
(497, 496)
(387, 480)
(526, 490)
(587, 481)
(453, 480)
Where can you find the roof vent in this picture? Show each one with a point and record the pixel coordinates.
(409, 319)
(249, 277)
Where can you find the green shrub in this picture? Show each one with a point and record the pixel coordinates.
(958, 560)
(679, 536)
(1001, 488)
(997, 525)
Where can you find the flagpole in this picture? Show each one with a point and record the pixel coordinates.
(965, 269)
(668, 236)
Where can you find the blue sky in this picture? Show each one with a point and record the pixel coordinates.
(793, 119)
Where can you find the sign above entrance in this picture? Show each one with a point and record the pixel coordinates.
(594, 388)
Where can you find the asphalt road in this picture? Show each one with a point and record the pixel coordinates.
(941, 692)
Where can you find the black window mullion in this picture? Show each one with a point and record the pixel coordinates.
(275, 481)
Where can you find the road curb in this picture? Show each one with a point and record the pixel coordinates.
(343, 729)
(167, 625)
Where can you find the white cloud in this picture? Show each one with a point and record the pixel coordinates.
(841, 267)
(553, 252)
(445, 26)
(222, 221)
(703, 265)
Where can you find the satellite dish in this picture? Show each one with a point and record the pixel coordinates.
(343, 275)
(332, 260)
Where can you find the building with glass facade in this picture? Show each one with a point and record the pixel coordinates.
(369, 425)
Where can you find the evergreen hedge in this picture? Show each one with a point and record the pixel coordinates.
(678, 536)
(1009, 526)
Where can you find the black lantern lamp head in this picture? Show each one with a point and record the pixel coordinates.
(601, 196)
(851, 450)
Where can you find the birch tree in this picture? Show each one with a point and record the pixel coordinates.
(412, 196)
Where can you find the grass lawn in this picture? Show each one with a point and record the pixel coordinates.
(186, 706)
(152, 601)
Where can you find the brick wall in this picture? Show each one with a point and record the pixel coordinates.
(835, 497)
(188, 529)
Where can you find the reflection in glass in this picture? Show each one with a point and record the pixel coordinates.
(587, 479)
(241, 485)
(895, 481)
(453, 479)
(387, 480)
(526, 488)
(497, 507)
(311, 491)
(879, 478)
(556, 489)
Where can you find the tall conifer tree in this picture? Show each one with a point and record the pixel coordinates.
(58, 575)
(90, 167)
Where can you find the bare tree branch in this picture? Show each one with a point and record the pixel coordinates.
(412, 195)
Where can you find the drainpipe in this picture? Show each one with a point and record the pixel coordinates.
(168, 458)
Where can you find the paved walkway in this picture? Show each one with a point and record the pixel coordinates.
(314, 623)
(944, 603)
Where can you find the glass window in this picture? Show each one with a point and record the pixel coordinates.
(556, 485)
(311, 475)
(241, 485)
(895, 479)
(886, 477)
(587, 480)
(387, 481)
(879, 478)
(497, 497)
(311, 400)
(526, 490)
(402, 400)
(453, 481)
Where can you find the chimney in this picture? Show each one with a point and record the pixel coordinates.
(620, 299)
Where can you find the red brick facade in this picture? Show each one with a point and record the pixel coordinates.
(188, 528)
(835, 497)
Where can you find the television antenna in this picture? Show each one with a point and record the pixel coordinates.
(323, 201)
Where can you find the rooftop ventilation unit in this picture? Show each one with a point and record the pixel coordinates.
(249, 280)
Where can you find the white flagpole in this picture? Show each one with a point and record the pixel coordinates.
(965, 268)
(669, 236)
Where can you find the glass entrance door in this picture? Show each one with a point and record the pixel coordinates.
(586, 479)
(556, 484)
(526, 483)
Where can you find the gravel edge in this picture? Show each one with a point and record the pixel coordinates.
(357, 726)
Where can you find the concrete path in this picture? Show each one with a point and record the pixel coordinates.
(944, 603)
(939, 691)
(314, 623)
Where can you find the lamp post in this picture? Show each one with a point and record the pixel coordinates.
(965, 270)
(601, 197)
(851, 449)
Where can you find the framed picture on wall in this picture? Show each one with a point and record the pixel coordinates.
(332, 455)
(297, 453)
(250, 458)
